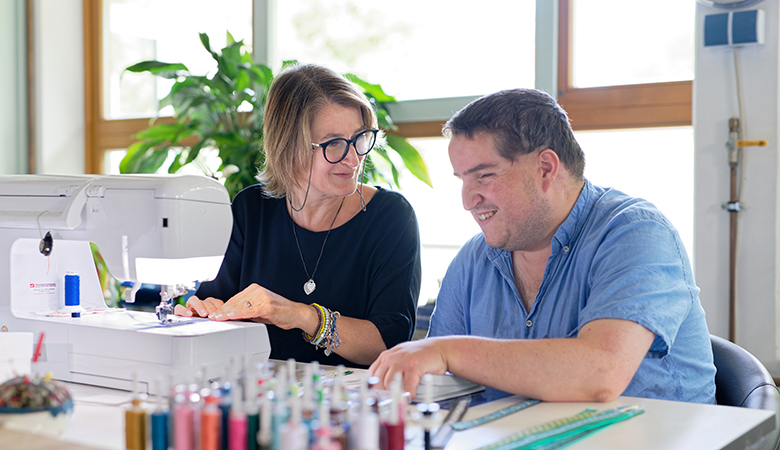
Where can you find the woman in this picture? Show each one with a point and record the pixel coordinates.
(331, 265)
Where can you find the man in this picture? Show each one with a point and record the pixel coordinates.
(572, 292)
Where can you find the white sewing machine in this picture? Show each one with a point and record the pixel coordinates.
(166, 230)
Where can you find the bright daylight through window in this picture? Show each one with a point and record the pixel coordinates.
(437, 53)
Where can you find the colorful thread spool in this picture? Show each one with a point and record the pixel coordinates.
(72, 289)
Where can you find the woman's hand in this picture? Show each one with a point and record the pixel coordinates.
(197, 307)
(258, 303)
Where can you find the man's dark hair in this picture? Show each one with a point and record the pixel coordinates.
(521, 121)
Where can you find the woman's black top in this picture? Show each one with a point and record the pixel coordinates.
(370, 267)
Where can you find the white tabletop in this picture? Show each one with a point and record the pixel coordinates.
(664, 425)
(98, 423)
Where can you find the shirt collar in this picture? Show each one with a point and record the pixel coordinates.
(571, 227)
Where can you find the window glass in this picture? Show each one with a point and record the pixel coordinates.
(618, 42)
(207, 161)
(165, 30)
(443, 49)
(653, 163)
(112, 159)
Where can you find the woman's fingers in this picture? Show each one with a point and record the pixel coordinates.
(181, 310)
(202, 308)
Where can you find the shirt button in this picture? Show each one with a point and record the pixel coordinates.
(565, 248)
(528, 323)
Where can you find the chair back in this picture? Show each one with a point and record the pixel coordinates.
(741, 380)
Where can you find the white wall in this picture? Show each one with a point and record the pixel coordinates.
(715, 101)
(13, 115)
(59, 86)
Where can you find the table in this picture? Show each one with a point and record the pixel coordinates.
(664, 425)
(98, 423)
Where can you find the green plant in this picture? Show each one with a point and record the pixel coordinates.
(207, 115)
(110, 287)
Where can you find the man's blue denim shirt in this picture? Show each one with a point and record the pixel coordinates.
(614, 257)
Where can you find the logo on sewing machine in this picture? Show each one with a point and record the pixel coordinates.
(43, 288)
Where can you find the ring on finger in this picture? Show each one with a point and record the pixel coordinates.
(248, 304)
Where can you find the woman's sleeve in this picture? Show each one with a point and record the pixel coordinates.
(395, 280)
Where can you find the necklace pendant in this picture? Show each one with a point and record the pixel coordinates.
(309, 286)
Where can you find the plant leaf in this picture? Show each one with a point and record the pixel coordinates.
(204, 39)
(383, 153)
(135, 153)
(194, 151)
(410, 156)
(161, 132)
(372, 90)
(384, 120)
(159, 68)
(143, 157)
(289, 62)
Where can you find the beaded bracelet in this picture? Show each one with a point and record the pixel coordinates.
(324, 326)
(320, 334)
(332, 340)
(327, 335)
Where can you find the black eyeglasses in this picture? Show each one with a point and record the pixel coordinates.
(335, 150)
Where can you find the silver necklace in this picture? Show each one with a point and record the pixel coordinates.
(310, 286)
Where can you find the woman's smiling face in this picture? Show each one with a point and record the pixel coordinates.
(340, 179)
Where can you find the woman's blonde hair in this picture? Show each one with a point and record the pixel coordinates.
(295, 97)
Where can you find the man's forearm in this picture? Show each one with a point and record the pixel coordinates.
(595, 366)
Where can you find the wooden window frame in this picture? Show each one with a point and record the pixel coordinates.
(102, 134)
(599, 108)
(93, 86)
(613, 107)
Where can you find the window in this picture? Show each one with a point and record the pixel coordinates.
(655, 164)
(434, 59)
(140, 30)
(644, 130)
(605, 51)
(442, 49)
(624, 105)
(118, 33)
(616, 42)
(437, 52)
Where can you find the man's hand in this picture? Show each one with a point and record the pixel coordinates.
(597, 365)
(413, 360)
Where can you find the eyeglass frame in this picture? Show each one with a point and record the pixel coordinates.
(349, 142)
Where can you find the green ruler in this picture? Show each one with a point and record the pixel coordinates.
(465, 425)
(561, 432)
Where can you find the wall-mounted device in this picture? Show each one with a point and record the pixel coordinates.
(735, 28)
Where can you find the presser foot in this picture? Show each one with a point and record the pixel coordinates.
(164, 313)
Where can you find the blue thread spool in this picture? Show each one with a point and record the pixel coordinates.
(72, 289)
(160, 430)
